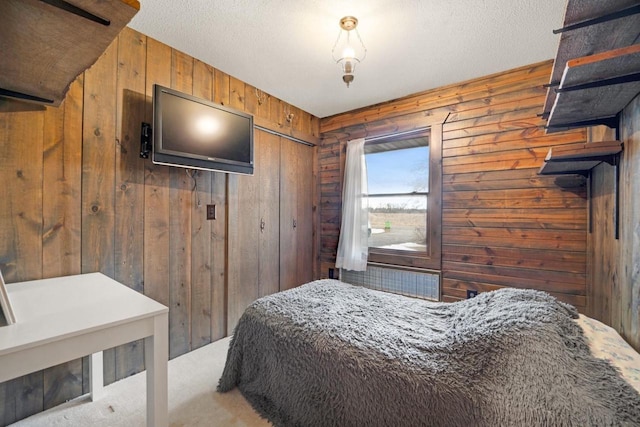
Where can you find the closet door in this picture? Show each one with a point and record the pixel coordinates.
(296, 210)
(254, 229)
(268, 177)
(243, 242)
(270, 236)
(288, 214)
(304, 229)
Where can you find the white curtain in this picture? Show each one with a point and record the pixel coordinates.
(352, 246)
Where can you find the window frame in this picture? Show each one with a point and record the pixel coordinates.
(431, 258)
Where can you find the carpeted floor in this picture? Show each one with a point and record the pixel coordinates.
(193, 400)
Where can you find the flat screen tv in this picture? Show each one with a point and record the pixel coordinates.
(195, 133)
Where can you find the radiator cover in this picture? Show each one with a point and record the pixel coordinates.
(413, 283)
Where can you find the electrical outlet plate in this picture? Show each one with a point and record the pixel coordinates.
(211, 211)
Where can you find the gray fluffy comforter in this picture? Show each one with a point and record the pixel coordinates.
(331, 354)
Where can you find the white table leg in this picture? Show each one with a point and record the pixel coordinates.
(96, 380)
(156, 356)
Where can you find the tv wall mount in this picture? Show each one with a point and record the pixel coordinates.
(145, 140)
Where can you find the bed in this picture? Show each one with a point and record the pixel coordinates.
(331, 354)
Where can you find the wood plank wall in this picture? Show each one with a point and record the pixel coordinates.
(502, 224)
(78, 198)
(614, 292)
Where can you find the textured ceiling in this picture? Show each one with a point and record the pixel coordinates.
(284, 47)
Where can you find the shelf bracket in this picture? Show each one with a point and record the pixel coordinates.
(616, 213)
(623, 13)
(24, 96)
(611, 122)
(68, 7)
(590, 202)
(634, 77)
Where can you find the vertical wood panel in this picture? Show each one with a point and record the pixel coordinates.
(219, 251)
(129, 191)
(256, 102)
(99, 164)
(201, 230)
(315, 220)
(242, 216)
(233, 252)
(630, 225)
(304, 214)
(304, 122)
(614, 294)
(156, 191)
(221, 89)
(98, 174)
(27, 393)
(250, 100)
(244, 243)
(21, 168)
(315, 126)
(604, 250)
(22, 207)
(7, 404)
(236, 98)
(61, 185)
(268, 177)
(288, 214)
(180, 198)
(219, 257)
(61, 220)
(434, 202)
(276, 114)
(222, 92)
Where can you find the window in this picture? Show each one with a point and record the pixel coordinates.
(402, 214)
(398, 182)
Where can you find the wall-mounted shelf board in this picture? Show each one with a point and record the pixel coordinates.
(591, 39)
(579, 158)
(596, 87)
(46, 44)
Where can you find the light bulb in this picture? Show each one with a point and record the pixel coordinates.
(348, 52)
(348, 66)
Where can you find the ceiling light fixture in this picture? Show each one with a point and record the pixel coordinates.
(349, 49)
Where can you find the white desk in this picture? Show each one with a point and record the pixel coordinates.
(65, 318)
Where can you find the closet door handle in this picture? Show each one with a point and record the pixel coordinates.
(262, 224)
(295, 223)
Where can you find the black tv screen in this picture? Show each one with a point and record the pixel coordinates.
(195, 133)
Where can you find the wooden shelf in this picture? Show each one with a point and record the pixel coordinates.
(591, 28)
(45, 47)
(579, 158)
(596, 87)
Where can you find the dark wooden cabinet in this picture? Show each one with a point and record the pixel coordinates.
(269, 195)
(296, 209)
(270, 223)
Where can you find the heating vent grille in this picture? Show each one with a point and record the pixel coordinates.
(412, 283)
